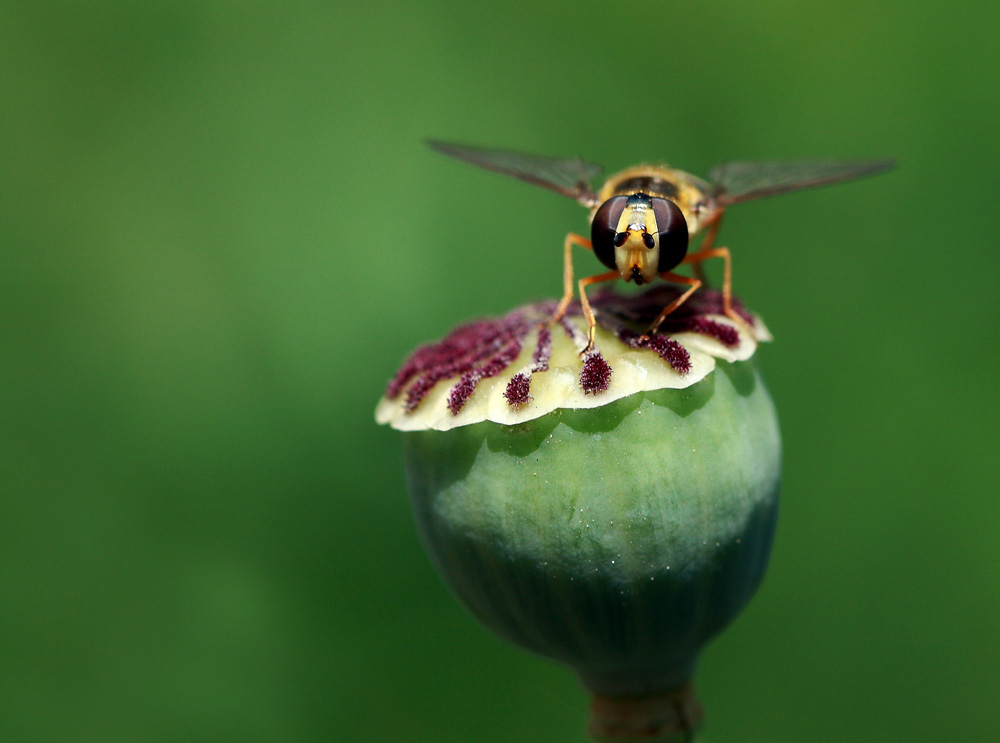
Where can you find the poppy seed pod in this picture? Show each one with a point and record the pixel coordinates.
(613, 512)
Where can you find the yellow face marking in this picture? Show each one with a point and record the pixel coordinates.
(637, 219)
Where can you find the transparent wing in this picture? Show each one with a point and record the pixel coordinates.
(570, 177)
(736, 182)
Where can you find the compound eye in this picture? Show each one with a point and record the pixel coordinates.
(672, 233)
(604, 235)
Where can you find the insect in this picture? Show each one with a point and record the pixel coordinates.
(642, 218)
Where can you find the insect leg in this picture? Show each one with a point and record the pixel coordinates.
(706, 244)
(727, 281)
(571, 239)
(588, 313)
(678, 279)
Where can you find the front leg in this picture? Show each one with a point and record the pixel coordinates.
(571, 239)
(706, 244)
(727, 282)
(588, 313)
(677, 279)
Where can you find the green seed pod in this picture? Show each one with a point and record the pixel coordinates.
(616, 533)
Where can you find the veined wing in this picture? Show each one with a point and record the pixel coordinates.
(571, 177)
(736, 182)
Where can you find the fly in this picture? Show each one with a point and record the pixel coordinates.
(641, 219)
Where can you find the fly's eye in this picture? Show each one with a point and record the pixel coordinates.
(604, 233)
(647, 240)
(672, 233)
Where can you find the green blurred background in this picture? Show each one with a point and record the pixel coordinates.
(220, 234)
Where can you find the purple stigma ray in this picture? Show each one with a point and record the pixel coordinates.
(518, 390)
(596, 374)
(670, 351)
(543, 351)
(667, 348)
(462, 391)
(727, 335)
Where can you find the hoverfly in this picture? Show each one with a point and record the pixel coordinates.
(641, 218)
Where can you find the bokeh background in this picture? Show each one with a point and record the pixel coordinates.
(220, 234)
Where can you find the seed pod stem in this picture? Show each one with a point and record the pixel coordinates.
(672, 717)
